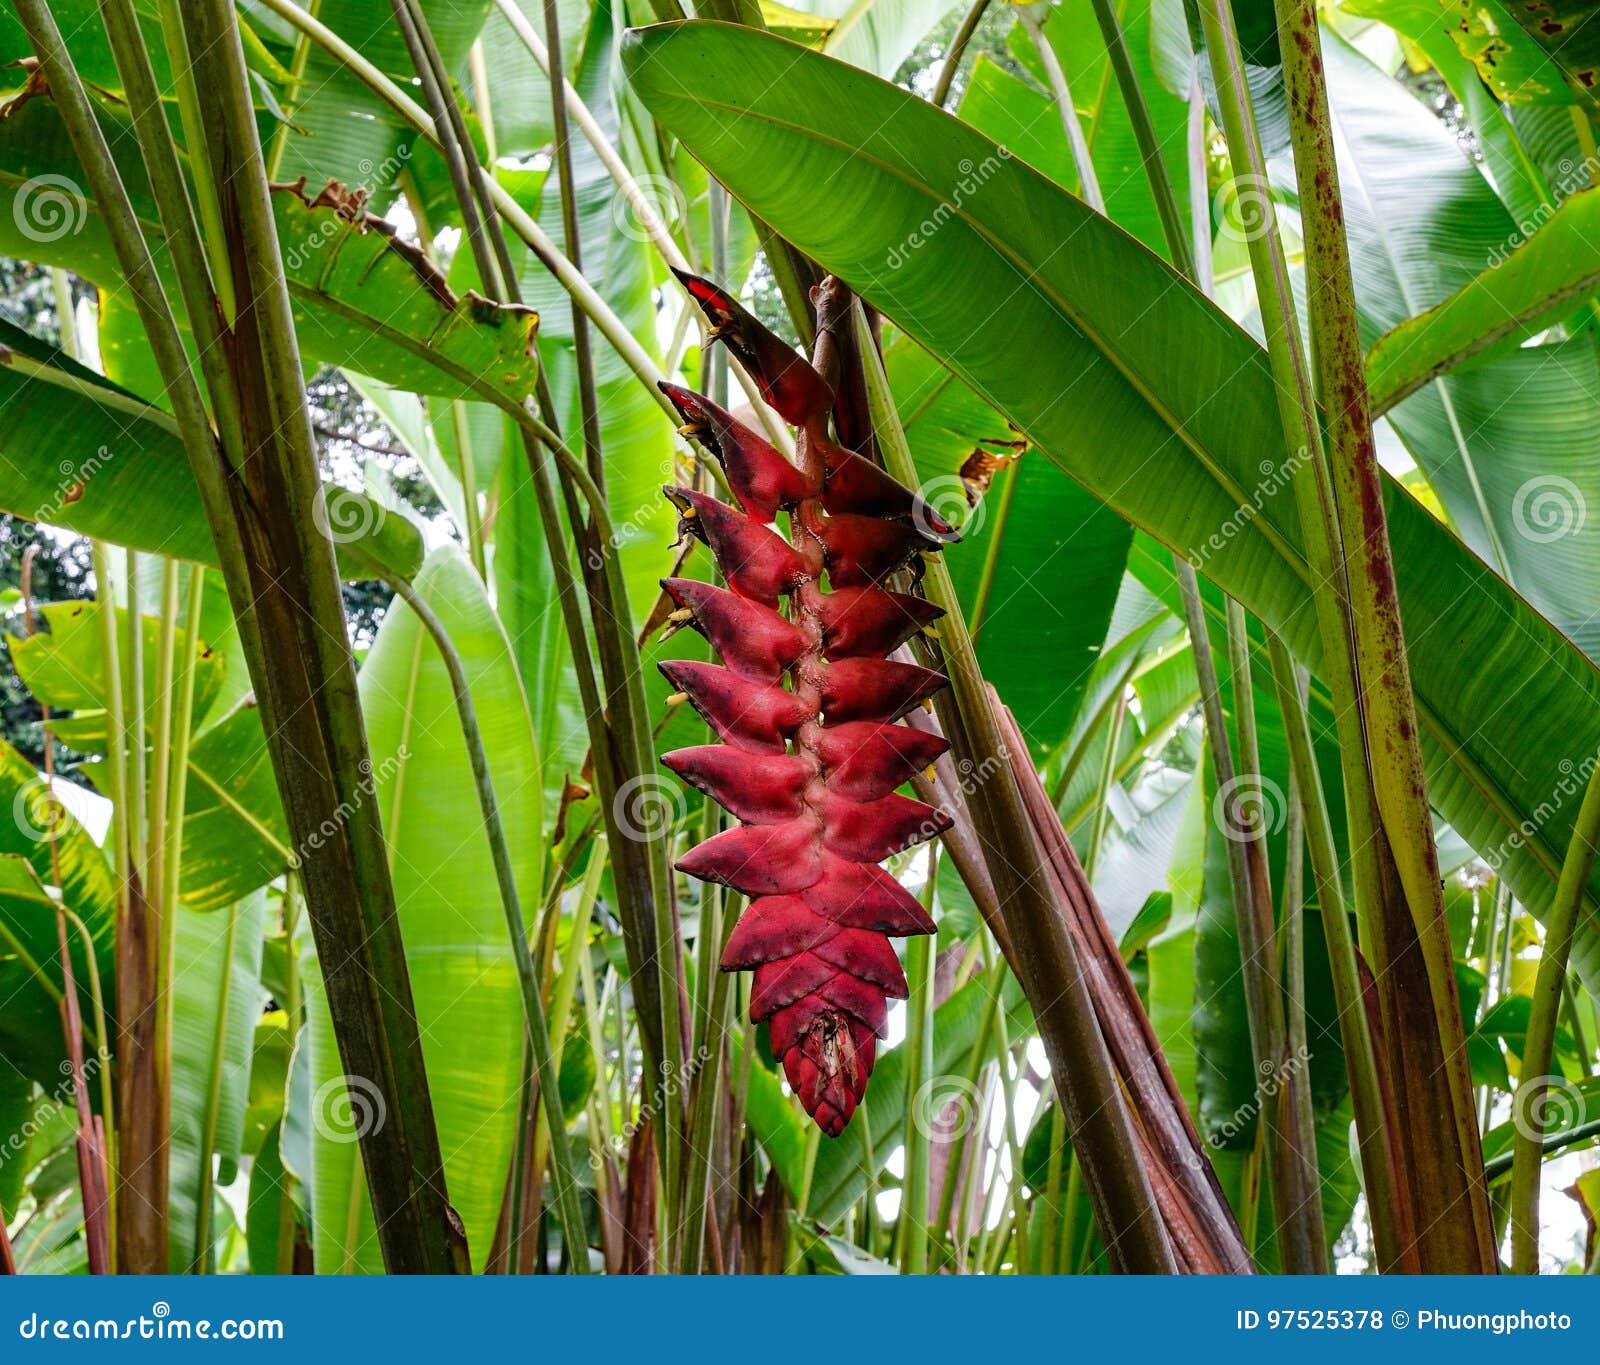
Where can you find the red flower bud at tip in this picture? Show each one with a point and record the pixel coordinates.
(795, 390)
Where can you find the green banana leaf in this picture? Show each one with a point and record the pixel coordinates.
(235, 838)
(363, 297)
(1140, 389)
(462, 975)
(366, 299)
(63, 665)
(84, 454)
(216, 1000)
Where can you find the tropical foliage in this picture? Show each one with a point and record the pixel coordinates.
(836, 638)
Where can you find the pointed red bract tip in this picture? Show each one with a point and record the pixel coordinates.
(789, 384)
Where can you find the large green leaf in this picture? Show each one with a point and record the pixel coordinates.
(235, 838)
(365, 299)
(1486, 37)
(1019, 117)
(82, 453)
(216, 1002)
(463, 978)
(1140, 389)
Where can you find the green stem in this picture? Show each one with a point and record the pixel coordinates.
(311, 714)
(1144, 136)
(211, 1119)
(958, 47)
(1535, 1077)
(468, 475)
(1355, 1031)
(1298, 1202)
(1061, 96)
(920, 1095)
(1412, 957)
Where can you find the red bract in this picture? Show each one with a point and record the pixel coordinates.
(810, 770)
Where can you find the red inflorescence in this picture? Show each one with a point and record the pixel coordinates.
(809, 770)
